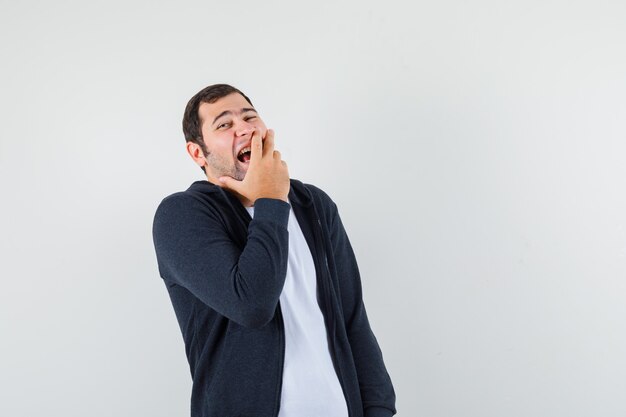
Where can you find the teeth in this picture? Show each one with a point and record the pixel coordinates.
(246, 149)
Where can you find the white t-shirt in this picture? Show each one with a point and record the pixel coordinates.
(310, 384)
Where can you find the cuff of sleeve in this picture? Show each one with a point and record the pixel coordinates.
(272, 209)
(378, 412)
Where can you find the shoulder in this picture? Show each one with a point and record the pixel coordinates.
(199, 198)
(318, 191)
(323, 202)
(315, 192)
(178, 201)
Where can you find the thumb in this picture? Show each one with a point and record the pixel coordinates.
(229, 182)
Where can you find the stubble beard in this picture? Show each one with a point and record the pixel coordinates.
(224, 168)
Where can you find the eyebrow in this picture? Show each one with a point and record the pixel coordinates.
(228, 112)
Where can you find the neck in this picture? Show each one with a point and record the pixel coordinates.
(246, 202)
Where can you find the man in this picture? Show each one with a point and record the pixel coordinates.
(263, 279)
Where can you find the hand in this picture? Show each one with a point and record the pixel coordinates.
(267, 175)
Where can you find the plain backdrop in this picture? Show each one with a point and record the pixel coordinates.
(476, 151)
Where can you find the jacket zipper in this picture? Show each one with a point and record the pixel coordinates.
(328, 304)
(324, 270)
(281, 336)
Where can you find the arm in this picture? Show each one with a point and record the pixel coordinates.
(194, 251)
(375, 384)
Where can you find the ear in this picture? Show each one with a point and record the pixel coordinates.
(194, 150)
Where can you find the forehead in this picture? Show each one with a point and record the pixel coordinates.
(232, 102)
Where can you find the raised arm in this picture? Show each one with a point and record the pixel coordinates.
(195, 251)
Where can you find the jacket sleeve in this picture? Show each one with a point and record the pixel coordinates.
(194, 251)
(375, 384)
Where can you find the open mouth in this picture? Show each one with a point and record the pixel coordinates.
(244, 154)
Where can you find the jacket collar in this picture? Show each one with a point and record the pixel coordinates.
(298, 193)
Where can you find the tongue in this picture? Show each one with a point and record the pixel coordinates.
(246, 157)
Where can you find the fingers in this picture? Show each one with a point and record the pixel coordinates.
(256, 151)
(230, 183)
(276, 155)
(268, 145)
(262, 148)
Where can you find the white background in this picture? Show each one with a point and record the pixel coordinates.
(475, 150)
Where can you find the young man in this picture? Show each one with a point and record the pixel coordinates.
(263, 279)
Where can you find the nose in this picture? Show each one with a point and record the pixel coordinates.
(244, 128)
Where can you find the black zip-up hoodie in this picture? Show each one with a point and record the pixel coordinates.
(225, 271)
